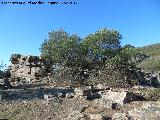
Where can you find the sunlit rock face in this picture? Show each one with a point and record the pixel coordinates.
(24, 68)
(119, 97)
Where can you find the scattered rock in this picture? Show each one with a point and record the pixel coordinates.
(102, 87)
(76, 115)
(119, 116)
(81, 108)
(145, 111)
(82, 91)
(50, 98)
(148, 111)
(97, 117)
(59, 95)
(69, 95)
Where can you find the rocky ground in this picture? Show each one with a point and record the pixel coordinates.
(43, 103)
(31, 98)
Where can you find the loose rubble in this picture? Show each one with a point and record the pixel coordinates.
(66, 104)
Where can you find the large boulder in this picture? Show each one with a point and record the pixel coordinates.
(103, 103)
(82, 91)
(119, 97)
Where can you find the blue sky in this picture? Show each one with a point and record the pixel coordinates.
(24, 27)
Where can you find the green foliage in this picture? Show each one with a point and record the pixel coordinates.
(150, 64)
(126, 58)
(103, 43)
(123, 65)
(151, 50)
(60, 47)
(153, 62)
(100, 52)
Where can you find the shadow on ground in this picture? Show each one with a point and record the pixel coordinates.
(30, 92)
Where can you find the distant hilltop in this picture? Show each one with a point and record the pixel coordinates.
(152, 63)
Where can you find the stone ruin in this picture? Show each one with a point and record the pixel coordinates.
(26, 69)
(106, 96)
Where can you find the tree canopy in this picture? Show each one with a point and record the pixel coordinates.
(60, 47)
(101, 49)
(103, 44)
